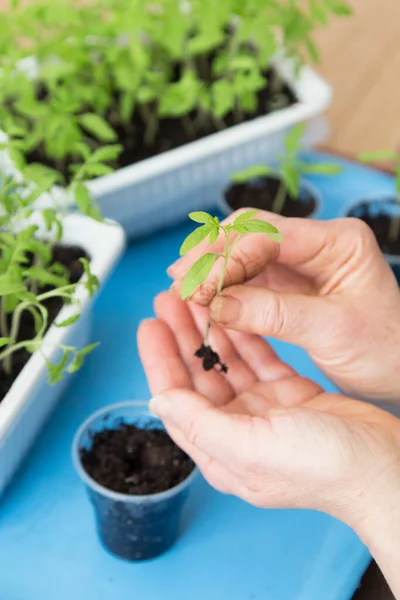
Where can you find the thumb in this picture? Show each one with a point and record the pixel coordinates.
(294, 318)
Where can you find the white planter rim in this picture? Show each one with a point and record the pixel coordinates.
(313, 96)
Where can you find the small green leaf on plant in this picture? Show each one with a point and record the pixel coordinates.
(55, 373)
(249, 214)
(321, 169)
(79, 357)
(201, 217)
(258, 226)
(10, 285)
(294, 137)
(194, 238)
(377, 156)
(91, 283)
(4, 341)
(106, 153)
(70, 321)
(214, 235)
(98, 127)
(197, 274)
(254, 172)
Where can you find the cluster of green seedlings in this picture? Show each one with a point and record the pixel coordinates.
(211, 229)
(103, 62)
(289, 170)
(388, 156)
(29, 277)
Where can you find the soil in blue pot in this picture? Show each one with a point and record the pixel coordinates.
(381, 216)
(262, 192)
(137, 462)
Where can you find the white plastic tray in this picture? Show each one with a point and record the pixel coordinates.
(160, 191)
(31, 399)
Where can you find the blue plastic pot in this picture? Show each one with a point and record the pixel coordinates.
(131, 527)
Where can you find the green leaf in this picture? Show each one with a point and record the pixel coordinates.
(223, 98)
(321, 169)
(10, 285)
(294, 137)
(97, 169)
(312, 50)
(4, 341)
(201, 217)
(377, 156)
(197, 274)
(45, 277)
(249, 214)
(92, 283)
(79, 357)
(55, 373)
(70, 321)
(51, 218)
(258, 226)
(214, 235)
(194, 238)
(37, 317)
(98, 127)
(82, 198)
(106, 153)
(291, 177)
(253, 172)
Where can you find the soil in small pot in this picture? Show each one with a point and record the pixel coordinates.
(137, 462)
(174, 132)
(261, 193)
(69, 257)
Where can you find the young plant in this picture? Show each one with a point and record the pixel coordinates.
(211, 229)
(202, 63)
(290, 169)
(388, 156)
(30, 280)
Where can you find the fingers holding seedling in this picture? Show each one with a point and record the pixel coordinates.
(199, 272)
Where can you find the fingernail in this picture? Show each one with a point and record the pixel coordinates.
(170, 271)
(174, 288)
(225, 309)
(160, 405)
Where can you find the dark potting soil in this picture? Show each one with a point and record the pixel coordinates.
(135, 461)
(261, 193)
(379, 221)
(210, 359)
(69, 257)
(172, 133)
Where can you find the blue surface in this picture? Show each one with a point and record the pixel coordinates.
(48, 546)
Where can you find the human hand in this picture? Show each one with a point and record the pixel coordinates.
(327, 288)
(262, 432)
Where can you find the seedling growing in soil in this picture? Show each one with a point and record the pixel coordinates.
(178, 71)
(210, 228)
(388, 156)
(289, 171)
(32, 282)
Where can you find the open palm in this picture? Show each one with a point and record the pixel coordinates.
(261, 432)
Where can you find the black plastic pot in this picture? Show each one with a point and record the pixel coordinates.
(257, 193)
(132, 527)
(375, 211)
